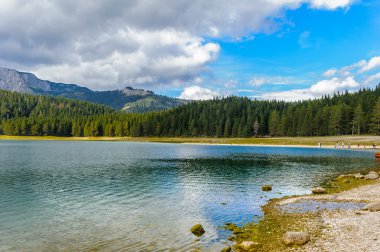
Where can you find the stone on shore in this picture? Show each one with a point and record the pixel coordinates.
(198, 230)
(372, 207)
(343, 176)
(318, 190)
(359, 176)
(296, 238)
(372, 175)
(247, 245)
(266, 188)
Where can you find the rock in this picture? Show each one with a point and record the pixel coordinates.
(266, 188)
(359, 176)
(231, 226)
(346, 176)
(247, 245)
(227, 249)
(231, 238)
(372, 207)
(372, 175)
(318, 190)
(198, 230)
(296, 238)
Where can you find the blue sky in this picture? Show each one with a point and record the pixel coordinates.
(264, 49)
(300, 51)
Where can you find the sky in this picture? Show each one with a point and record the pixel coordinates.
(264, 49)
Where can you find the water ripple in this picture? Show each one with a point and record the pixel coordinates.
(79, 196)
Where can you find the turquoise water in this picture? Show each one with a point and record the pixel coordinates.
(113, 196)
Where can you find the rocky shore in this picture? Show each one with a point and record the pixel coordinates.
(344, 216)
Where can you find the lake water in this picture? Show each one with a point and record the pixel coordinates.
(123, 196)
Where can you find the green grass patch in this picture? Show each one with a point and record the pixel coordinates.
(344, 184)
(269, 231)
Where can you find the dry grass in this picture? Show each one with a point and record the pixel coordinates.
(280, 141)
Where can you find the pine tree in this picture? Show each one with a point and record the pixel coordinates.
(256, 127)
(358, 118)
(375, 122)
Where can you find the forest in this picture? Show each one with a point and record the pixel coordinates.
(340, 114)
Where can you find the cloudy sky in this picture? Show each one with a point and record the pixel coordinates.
(284, 49)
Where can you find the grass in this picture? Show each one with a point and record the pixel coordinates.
(344, 184)
(281, 141)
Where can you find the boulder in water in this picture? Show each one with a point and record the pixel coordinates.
(318, 190)
(266, 188)
(226, 249)
(197, 230)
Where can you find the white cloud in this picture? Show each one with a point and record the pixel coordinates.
(370, 65)
(273, 80)
(340, 79)
(162, 57)
(231, 84)
(258, 81)
(331, 4)
(290, 95)
(198, 93)
(323, 87)
(108, 43)
(303, 39)
(330, 72)
(372, 79)
(358, 68)
(333, 85)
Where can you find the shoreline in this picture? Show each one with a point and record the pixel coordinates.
(364, 142)
(336, 229)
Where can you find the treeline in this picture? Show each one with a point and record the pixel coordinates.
(341, 114)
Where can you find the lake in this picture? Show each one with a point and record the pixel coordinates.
(124, 196)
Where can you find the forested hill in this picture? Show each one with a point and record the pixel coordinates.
(129, 99)
(356, 113)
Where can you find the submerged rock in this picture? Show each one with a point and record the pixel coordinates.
(372, 207)
(247, 245)
(266, 188)
(233, 228)
(227, 249)
(372, 175)
(198, 230)
(296, 238)
(318, 190)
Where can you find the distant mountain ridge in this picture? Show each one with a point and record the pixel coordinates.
(127, 99)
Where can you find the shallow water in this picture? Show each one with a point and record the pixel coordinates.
(308, 205)
(113, 196)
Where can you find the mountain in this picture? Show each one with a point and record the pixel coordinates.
(128, 99)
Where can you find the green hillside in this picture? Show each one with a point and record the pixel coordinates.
(342, 114)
